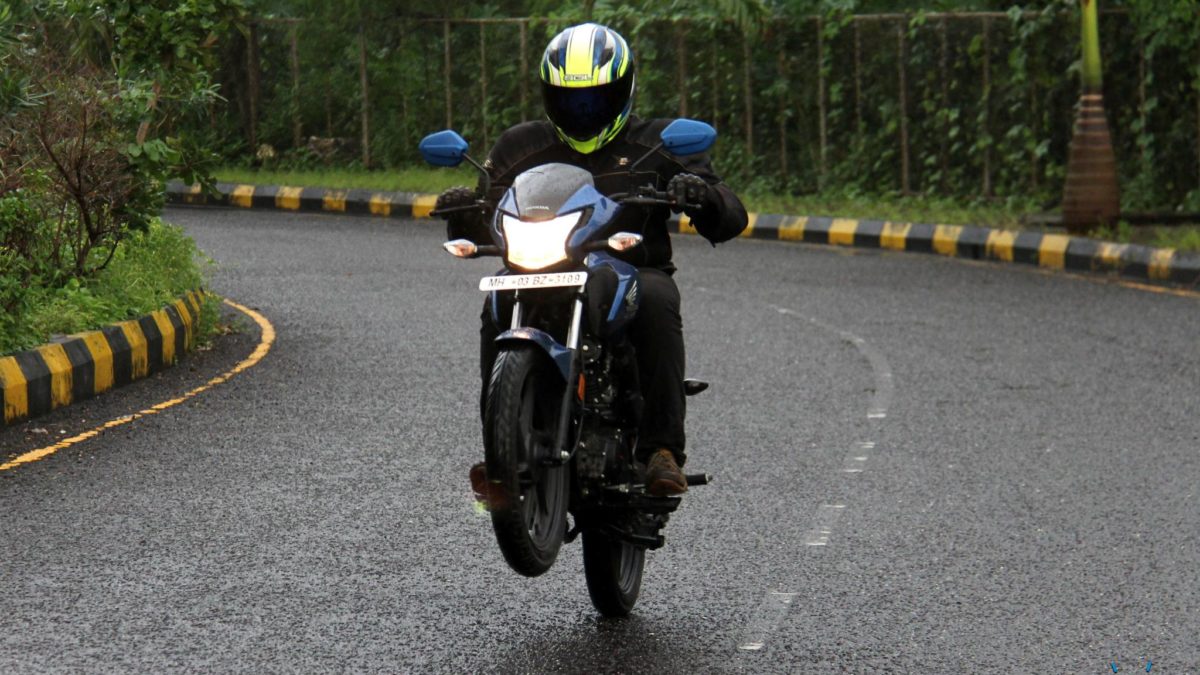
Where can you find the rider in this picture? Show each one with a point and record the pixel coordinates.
(587, 75)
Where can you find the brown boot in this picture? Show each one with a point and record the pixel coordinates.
(479, 483)
(663, 477)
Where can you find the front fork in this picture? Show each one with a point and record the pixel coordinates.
(563, 430)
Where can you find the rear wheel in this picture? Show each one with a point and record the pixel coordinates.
(526, 494)
(614, 572)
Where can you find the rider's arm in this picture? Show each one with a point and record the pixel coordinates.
(508, 157)
(462, 222)
(513, 152)
(722, 215)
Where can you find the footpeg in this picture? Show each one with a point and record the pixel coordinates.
(694, 479)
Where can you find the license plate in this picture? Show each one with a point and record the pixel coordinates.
(517, 282)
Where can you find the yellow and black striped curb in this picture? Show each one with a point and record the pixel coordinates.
(1048, 250)
(58, 374)
(361, 202)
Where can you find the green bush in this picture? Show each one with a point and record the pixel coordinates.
(94, 96)
(149, 270)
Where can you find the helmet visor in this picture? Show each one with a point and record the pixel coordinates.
(583, 112)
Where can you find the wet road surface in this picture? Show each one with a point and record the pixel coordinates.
(922, 465)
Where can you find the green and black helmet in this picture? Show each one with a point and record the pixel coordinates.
(587, 85)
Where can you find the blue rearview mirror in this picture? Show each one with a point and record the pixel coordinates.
(444, 148)
(688, 137)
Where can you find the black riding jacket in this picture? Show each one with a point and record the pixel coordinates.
(535, 143)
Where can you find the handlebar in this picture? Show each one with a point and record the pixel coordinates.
(457, 209)
(646, 196)
(650, 197)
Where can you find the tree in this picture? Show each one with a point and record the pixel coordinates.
(1091, 196)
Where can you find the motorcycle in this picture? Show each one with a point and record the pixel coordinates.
(562, 408)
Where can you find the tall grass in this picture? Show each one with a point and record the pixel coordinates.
(149, 270)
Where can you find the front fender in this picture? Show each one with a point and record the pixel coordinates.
(559, 354)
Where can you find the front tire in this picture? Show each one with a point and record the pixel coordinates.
(528, 497)
(614, 572)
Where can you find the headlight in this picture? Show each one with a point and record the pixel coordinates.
(537, 245)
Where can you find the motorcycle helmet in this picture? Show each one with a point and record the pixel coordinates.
(587, 85)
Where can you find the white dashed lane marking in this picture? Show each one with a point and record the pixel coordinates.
(771, 612)
(856, 460)
(824, 521)
(773, 609)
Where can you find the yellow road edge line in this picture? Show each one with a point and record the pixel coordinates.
(1151, 288)
(264, 346)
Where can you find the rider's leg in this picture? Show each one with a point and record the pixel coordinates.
(657, 335)
(488, 330)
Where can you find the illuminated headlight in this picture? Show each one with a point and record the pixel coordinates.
(537, 245)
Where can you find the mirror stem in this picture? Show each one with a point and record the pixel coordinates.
(487, 179)
(656, 148)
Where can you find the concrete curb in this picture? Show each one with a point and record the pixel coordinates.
(1051, 251)
(85, 365)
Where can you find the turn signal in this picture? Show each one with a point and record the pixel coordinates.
(461, 248)
(623, 241)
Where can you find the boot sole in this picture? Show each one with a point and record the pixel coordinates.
(665, 488)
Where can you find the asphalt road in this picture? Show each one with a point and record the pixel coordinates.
(922, 465)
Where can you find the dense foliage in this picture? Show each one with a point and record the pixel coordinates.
(99, 105)
(985, 109)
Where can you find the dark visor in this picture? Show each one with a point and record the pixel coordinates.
(583, 112)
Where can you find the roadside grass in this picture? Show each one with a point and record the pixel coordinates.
(414, 179)
(895, 208)
(1003, 214)
(1179, 237)
(149, 271)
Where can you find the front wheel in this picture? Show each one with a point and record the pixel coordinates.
(614, 572)
(527, 489)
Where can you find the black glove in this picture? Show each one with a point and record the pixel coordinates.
(688, 193)
(455, 197)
